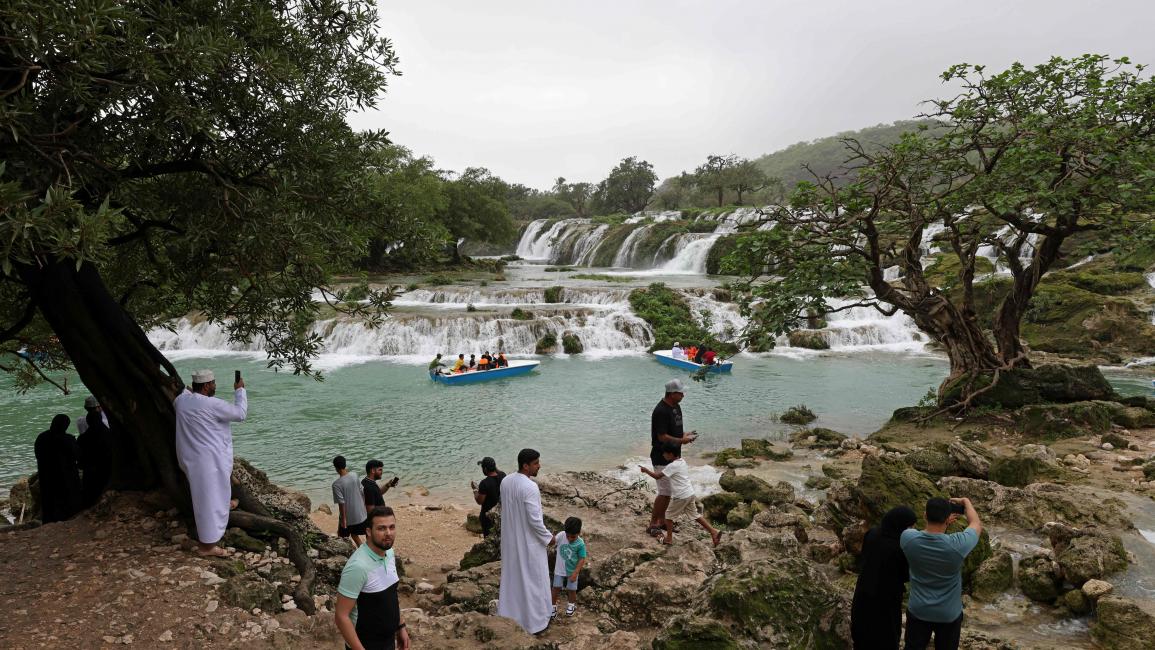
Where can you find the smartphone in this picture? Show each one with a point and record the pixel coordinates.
(958, 508)
(236, 376)
(394, 481)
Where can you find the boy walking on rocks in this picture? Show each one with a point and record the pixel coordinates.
(682, 499)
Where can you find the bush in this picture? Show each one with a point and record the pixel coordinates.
(670, 318)
(510, 258)
(546, 344)
(470, 307)
(718, 252)
(438, 279)
(520, 314)
(571, 344)
(559, 269)
(554, 294)
(600, 277)
(356, 293)
(799, 414)
(701, 226)
(412, 286)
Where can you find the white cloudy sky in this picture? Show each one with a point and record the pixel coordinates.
(537, 90)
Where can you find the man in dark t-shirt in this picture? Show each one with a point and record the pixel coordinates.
(374, 495)
(666, 429)
(488, 493)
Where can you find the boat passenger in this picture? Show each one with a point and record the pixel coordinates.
(677, 352)
(709, 357)
(473, 362)
(502, 362)
(699, 353)
(436, 364)
(483, 363)
(691, 351)
(459, 364)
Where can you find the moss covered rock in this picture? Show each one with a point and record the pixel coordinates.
(994, 576)
(886, 483)
(818, 482)
(758, 448)
(1091, 556)
(799, 414)
(693, 633)
(1076, 601)
(717, 505)
(546, 344)
(740, 516)
(554, 294)
(1120, 624)
(783, 602)
(818, 437)
(935, 464)
(1037, 579)
(752, 488)
(808, 339)
(248, 591)
(1016, 471)
(1058, 421)
(1022, 386)
(484, 552)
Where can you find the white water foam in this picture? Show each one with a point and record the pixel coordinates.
(691, 255)
(625, 255)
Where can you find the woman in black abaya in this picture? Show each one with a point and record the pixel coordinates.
(876, 613)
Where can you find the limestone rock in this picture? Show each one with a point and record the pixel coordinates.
(471, 629)
(935, 464)
(759, 448)
(472, 589)
(818, 482)
(473, 523)
(741, 463)
(795, 522)
(483, 552)
(608, 573)
(659, 589)
(1091, 556)
(1121, 624)
(818, 437)
(717, 505)
(1045, 383)
(886, 483)
(1077, 602)
(1028, 507)
(994, 576)
(972, 459)
(756, 543)
(248, 591)
(687, 632)
(1037, 579)
(753, 488)
(1096, 589)
(740, 516)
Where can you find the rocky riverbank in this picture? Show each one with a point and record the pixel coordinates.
(1064, 561)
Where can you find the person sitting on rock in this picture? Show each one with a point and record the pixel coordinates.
(682, 499)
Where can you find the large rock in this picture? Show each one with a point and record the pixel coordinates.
(694, 632)
(740, 516)
(717, 505)
(1057, 421)
(993, 577)
(809, 339)
(471, 630)
(1086, 554)
(933, 463)
(472, 590)
(1016, 471)
(1046, 383)
(1121, 624)
(661, 588)
(1036, 504)
(608, 572)
(781, 602)
(756, 543)
(1037, 579)
(483, 552)
(752, 488)
(886, 483)
(818, 437)
(972, 459)
(759, 448)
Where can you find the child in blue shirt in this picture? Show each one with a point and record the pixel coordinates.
(571, 557)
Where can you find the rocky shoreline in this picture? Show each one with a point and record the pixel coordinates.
(1062, 564)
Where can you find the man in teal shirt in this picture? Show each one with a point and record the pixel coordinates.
(368, 614)
(936, 558)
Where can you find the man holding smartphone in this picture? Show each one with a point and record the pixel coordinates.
(936, 558)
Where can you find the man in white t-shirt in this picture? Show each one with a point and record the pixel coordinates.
(682, 501)
(677, 352)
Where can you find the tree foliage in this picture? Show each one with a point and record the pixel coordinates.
(627, 188)
(1024, 160)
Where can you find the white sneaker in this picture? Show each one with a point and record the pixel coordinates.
(553, 613)
(570, 609)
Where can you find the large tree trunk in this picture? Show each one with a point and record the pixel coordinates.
(134, 382)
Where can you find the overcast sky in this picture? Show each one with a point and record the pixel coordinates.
(537, 90)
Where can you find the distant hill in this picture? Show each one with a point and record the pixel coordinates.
(828, 155)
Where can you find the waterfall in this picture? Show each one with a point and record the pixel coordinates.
(691, 257)
(1151, 281)
(865, 329)
(536, 246)
(459, 297)
(625, 254)
(587, 245)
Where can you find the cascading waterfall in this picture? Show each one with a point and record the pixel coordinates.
(692, 253)
(865, 329)
(536, 245)
(1151, 281)
(529, 237)
(584, 249)
(459, 297)
(625, 255)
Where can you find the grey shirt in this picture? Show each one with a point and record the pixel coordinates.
(347, 491)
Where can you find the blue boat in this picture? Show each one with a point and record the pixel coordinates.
(665, 357)
(514, 369)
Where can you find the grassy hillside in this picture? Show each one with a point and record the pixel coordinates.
(827, 155)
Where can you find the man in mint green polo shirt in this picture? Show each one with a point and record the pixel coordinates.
(368, 613)
(935, 559)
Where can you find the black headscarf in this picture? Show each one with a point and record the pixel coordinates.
(897, 520)
(884, 569)
(60, 423)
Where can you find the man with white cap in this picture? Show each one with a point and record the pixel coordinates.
(90, 405)
(677, 352)
(204, 448)
(666, 429)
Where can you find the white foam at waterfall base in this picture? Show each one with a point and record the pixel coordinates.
(704, 478)
(540, 246)
(461, 298)
(691, 256)
(863, 329)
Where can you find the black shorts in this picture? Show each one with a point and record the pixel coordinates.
(355, 529)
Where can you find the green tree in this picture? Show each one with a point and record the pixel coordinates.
(411, 195)
(628, 187)
(746, 177)
(578, 196)
(715, 176)
(1025, 159)
(166, 158)
(476, 207)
